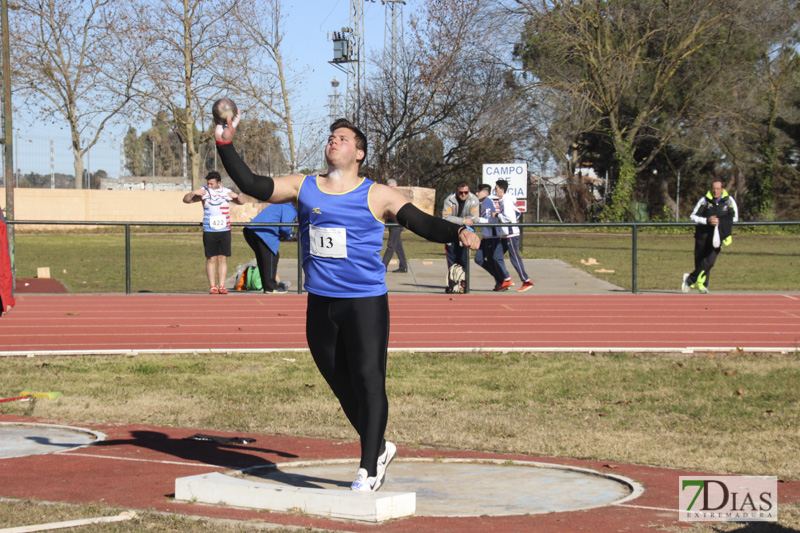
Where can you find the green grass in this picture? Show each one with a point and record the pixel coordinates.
(174, 261)
(168, 262)
(753, 262)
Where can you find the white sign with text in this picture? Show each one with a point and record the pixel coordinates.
(516, 174)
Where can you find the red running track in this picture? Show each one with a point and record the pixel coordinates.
(254, 322)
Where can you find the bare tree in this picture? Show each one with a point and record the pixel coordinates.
(449, 90)
(766, 95)
(186, 46)
(260, 74)
(64, 52)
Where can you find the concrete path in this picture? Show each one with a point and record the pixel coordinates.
(550, 276)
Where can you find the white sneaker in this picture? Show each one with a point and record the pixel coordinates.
(363, 482)
(383, 462)
(685, 286)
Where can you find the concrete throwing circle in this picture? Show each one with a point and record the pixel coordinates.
(22, 440)
(469, 487)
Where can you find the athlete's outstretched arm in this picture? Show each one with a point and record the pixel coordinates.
(264, 188)
(435, 229)
(395, 206)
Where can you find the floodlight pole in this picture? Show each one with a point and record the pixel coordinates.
(8, 135)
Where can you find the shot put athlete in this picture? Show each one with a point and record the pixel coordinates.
(341, 217)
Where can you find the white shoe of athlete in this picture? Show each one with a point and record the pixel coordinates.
(364, 483)
(685, 286)
(383, 462)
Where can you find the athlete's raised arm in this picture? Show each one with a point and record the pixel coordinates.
(275, 190)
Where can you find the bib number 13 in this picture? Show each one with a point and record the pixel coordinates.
(328, 242)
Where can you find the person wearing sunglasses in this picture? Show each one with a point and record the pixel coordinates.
(462, 208)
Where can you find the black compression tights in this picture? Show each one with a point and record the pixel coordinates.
(348, 338)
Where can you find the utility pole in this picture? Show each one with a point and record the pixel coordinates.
(393, 34)
(8, 129)
(333, 100)
(354, 86)
(392, 43)
(349, 57)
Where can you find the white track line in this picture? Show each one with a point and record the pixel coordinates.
(646, 507)
(501, 349)
(126, 515)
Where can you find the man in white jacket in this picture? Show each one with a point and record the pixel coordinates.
(508, 212)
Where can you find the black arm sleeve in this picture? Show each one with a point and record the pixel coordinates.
(259, 187)
(431, 228)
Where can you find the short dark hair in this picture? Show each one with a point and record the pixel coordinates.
(361, 139)
(503, 184)
(214, 175)
(462, 184)
(485, 187)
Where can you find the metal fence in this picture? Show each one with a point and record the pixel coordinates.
(634, 229)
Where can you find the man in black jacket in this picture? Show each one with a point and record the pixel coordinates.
(714, 215)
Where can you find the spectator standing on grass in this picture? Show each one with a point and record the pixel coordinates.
(342, 218)
(490, 255)
(714, 215)
(216, 227)
(507, 212)
(395, 242)
(460, 208)
(266, 240)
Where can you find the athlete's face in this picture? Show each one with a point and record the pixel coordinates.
(716, 190)
(214, 184)
(341, 148)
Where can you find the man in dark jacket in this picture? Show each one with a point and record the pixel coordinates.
(714, 215)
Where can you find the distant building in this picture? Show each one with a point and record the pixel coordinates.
(145, 183)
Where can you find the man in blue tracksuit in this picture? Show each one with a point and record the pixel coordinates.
(490, 255)
(714, 213)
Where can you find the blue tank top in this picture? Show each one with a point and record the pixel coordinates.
(341, 240)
